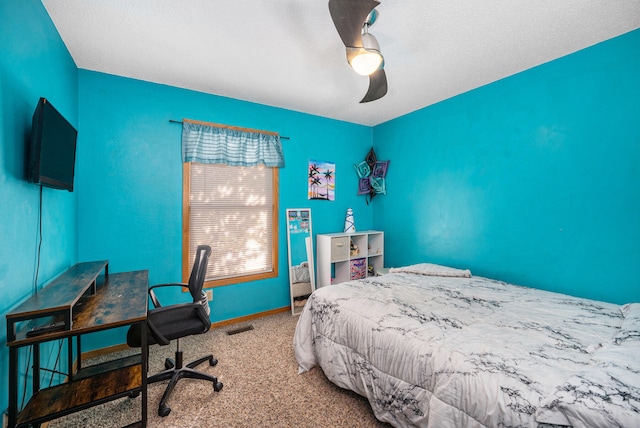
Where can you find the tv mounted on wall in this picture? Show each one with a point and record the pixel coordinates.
(52, 148)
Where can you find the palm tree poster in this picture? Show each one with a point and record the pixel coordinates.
(322, 180)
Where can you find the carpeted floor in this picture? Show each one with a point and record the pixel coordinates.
(262, 387)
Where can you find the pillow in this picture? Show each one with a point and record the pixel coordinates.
(430, 269)
(630, 328)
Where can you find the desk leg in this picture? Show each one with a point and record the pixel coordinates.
(13, 386)
(79, 352)
(70, 371)
(145, 360)
(36, 367)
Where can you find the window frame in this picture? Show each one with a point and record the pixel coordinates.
(186, 234)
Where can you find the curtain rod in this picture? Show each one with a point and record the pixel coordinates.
(227, 126)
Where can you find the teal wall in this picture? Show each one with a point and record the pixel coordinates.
(534, 179)
(34, 63)
(130, 179)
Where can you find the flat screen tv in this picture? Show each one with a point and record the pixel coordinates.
(52, 148)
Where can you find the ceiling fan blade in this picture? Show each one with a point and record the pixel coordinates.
(377, 86)
(349, 17)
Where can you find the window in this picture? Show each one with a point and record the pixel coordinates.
(234, 210)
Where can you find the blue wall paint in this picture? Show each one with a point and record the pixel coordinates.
(33, 63)
(130, 179)
(534, 179)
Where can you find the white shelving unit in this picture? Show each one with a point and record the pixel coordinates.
(346, 256)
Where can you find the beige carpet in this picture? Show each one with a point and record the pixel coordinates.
(262, 387)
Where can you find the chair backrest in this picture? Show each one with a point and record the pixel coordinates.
(199, 271)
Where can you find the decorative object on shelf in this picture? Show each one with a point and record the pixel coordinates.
(353, 250)
(371, 176)
(358, 269)
(321, 180)
(349, 222)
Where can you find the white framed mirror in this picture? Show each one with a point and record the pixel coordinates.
(301, 263)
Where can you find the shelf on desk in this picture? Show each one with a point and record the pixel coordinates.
(59, 400)
(92, 312)
(63, 291)
(58, 298)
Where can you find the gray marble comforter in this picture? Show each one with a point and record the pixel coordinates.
(448, 351)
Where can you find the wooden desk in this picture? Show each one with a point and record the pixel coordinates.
(99, 303)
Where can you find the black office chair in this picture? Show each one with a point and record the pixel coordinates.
(165, 323)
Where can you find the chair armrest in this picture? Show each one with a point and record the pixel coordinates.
(160, 338)
(154, 298)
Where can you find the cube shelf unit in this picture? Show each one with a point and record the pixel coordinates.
(347, 256)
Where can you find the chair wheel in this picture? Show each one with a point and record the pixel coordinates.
(169, 364)
(217, 386)
(164, 410)
(134, 394)
(213, 362)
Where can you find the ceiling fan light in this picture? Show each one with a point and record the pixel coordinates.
(369, 60)
(366, 63)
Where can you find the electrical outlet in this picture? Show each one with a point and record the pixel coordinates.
(209, 294)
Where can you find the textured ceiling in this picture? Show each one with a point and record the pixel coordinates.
(287, 53)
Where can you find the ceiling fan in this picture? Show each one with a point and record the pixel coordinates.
(352, 19)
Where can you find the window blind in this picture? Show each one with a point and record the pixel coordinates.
(231, 209)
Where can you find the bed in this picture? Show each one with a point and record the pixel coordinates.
(432, 346)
